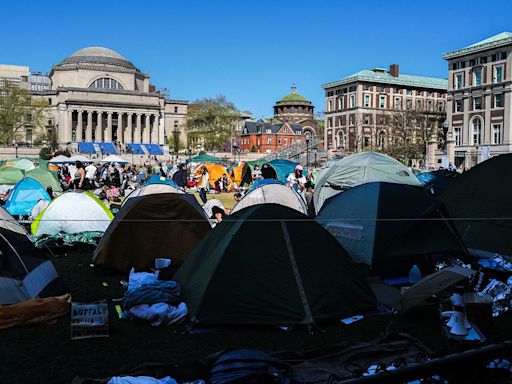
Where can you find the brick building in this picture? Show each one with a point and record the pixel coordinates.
(268, 138)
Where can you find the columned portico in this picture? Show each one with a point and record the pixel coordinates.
(147, 127)
(108, 132)
(88, 130)
(99, 127)
(138, 128)
(120, 127)
(154, 132)
(129, 129)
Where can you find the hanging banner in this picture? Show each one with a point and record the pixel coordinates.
(89, 320)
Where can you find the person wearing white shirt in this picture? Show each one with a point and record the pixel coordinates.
(296, 180)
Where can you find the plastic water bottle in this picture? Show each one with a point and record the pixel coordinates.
(414, 274)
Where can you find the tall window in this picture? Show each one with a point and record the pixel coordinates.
(419, 105)
(498, 74)
(106, 83)
(458, 81)
(382, 139)
(329, 106)
(498, 100)
(352, 101)
(458, 106)
(477, 131)
(397, 103)
(477, 77)
(340, 104)
(408, 104)
(366, 141)
(496, 133)
(366, 119)
(367, 101)
(269, 140)
(477, 101)
(458, 137)
(429, 105)
(382, 101)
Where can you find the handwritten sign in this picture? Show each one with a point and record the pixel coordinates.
(89, 320)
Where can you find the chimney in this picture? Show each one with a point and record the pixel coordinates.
(393, 70)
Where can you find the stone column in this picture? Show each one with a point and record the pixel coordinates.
(137, 134)
(450, 148)
(68, 134)
(108, 132)
(88, 131)
(147, 128)
(154, 133)
(128, 139)
(99, 128)
(79, 128)
(120, 129)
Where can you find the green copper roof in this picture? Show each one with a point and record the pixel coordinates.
(293, 97)
(381, 76)
(503, 38)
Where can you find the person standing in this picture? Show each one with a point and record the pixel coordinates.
(296, 180)
(90, 174)
(79, 176)
(256, 173)
(203, 185)
(180, 176)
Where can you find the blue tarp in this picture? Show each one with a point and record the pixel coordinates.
(157, 179)
(136, 149)
(153, 149)
(24, 196)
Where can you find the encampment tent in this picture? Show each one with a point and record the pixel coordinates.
(80, 158)
(437, 181)
(24, 163)
(480, 203)
(215, 172)
(25, 272)
(205, 158)
(390, 227)
(71, 213)
(271, 191)
(45, 178)
(10, 175)
(154, 186)
(354, 170)
(283, 168)
(60, 159)
(261, 266)
(148, 227)
(24, 196)
(236, 172)
(113, 159)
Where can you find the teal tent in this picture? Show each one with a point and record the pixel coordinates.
(283, 168)
(391, 227)
(205, 158)
(268, 264)
(24, 196)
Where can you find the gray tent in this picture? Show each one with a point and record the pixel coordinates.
(358, 169)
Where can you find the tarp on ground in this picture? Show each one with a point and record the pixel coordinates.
(24, 196)
(216, 171)
(168, 225)
(73, 212)
(10, 175)
(271, 191)
(205, 158)
(354, 170)
(391, 227)
(480, 204)
(268, 265)
(45, 178)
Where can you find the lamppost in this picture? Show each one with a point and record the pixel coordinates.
(176, 141)
(315, 151)
(307, 151)
(15, 145)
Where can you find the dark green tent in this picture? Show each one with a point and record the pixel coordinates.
(390, 227)
(480, 203)
(163, 225)
(268, 264)
(205, 158)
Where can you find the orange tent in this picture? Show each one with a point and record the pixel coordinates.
(237, 172)
(216, 171)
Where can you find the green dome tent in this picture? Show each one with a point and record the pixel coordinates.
(10, 176)
(46, 178)
(280, 276)
(205, 158)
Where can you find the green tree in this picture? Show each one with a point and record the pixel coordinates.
(211, 122)
(19, 110)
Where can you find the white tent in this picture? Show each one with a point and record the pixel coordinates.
(60, 159)
(113, 159)
(151, 189)
(81, 158)
(273, 194)
(73, 212)
(361, 168)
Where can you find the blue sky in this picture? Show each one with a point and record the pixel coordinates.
(250, 51)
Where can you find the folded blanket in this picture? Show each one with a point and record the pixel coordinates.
(152, 293)
(160, 313)
(36, 311)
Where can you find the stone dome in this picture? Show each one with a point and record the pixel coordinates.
(293, 97)
(98, 55)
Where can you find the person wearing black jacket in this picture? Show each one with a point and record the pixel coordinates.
(180, 176)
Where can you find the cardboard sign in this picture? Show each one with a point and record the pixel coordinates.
(89, 320)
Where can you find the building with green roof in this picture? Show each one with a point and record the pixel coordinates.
(479, 100)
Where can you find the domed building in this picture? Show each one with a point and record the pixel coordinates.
(101, 102)
(295, 108)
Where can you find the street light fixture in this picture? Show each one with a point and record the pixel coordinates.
(307, 151)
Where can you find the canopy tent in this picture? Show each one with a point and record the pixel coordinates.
(205, 158)
(438, 180)
(390, 227)
(480, 203)
(72, 212)
(278, 276)
(10, 176)
(45, 178)
(113, 159)
(215, 172)
(155, 226)
(60, 159)
(80, 158)
(272, 191)
(24, 196)
(153, 189)
(354, 170)
(283, 168)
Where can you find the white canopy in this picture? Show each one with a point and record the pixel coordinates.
(81, 158)
(113, 159)
(273, 194)
(60, 159)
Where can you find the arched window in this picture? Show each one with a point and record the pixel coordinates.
(106, 83)
(477, 131)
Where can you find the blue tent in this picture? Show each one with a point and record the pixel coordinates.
(262, 182)
(157, 179)
(283, 168)
(24, 196)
